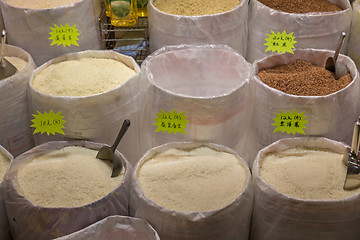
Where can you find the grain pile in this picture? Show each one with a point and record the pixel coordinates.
(301, 6)
(201, 179)
(18, 63)
(195, 7)
(36, 4)
(82, 77)
(306, 173)
(69, 177)
(303, 78)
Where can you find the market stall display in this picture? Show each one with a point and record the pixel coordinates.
(215, 27)
(48, 29)
(207, 86)
(305, 200)
(308, 103)
(94, 91)
(16, 134)
(77, 192)
(189, 190)
(5, 159)
(319, 30)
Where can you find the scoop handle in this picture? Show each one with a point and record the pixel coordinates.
(124, 128)
(3, 40)
(355, 138)
(343, 34)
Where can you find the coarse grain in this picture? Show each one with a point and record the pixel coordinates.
(301, 6)
(195, 7)
(303, 78)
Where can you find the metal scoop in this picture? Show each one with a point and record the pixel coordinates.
(336, 67)
(351, 159)
(6, 68)
(107, 153)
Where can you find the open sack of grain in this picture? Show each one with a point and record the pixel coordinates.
(16, 134)
(94, 91)
(114, 228)
(353, 49)
(198, 22)
(299, 192)
(5, 159)
(188, 190)
(61, 187)
(320, 28)
(206, 86)
(48, 29)
(296, 96)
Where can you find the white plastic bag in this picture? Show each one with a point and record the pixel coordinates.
(353, 49)
(30, 28)
(311, 30)
(15, 131)
(281, 217)
(30, 222)
(228, 28)
(330, 116)
(209, 84)
(4, 222)
(115, 228)
(228, 223)
(97, 117)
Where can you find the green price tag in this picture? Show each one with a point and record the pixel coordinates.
(64, 35)
(48, 122)
(280, 42)
(172, 122)
(290, 122)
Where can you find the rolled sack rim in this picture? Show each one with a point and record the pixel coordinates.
(41, 149)
(278, 145)
(107, 54)
(246, 193)
(171, 48)
(350, 64)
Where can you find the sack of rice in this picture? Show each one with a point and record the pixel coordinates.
(5, 159)
(314, 24)
(198, 22)
(48, 29)
(94, 91)
(15, 132)
(296, 96)
(299, 192)
(193, 191)
(114, 228)
(61, 187)
(206, 87)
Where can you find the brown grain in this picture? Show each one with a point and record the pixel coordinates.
(301, 6)
(303, 79)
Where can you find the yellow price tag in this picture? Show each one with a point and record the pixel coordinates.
(48, 122)
(280, 42)
(172, 122)
(290, 122)
(64, 35)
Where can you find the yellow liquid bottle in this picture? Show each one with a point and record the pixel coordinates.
(107, 8)
(142, 8)
(123, 13)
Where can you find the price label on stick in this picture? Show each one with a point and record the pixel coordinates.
(172, 122)
(48, 122)
(290, 122)
(280, 42)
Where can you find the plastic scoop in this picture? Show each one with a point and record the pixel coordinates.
(336, 67)
(107, 153)
(351, 159)
(6, 68)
